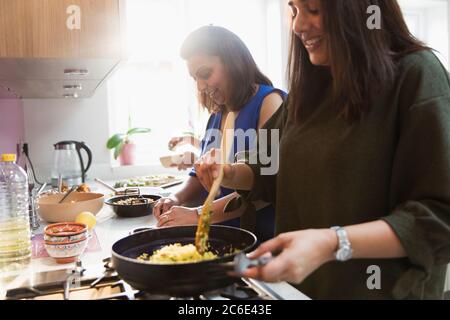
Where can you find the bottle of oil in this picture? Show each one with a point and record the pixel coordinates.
(15, 235)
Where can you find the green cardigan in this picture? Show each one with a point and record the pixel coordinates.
(393, 164)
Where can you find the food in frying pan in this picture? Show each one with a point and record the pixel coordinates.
(134, 201)
(177, 253)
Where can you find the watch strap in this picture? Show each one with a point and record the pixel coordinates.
(344, 250)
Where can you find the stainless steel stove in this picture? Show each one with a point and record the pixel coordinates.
(104, 284)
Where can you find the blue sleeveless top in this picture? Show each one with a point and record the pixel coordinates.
(247, 119)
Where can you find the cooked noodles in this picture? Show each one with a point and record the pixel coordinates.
(177, 253)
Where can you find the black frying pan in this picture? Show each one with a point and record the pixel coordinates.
(132, 211)
(179, 280)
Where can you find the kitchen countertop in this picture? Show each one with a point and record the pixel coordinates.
(108, 230)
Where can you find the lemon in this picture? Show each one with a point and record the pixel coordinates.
(86, 218)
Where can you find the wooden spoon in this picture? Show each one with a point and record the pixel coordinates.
(204, 222)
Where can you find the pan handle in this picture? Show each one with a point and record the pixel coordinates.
(105, 185)
(140, 229)
(242, 262)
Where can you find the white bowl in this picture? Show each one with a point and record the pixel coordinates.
(52, 211)
(66, 252)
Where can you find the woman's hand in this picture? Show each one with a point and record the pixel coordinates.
(174, 142)
(186, 161)
(182, 140)
(208, 166)
(302, 252)
(164, 204)
(178, 216)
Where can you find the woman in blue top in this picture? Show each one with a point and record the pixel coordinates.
(228, 79)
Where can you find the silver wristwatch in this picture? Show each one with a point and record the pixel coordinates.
(344, 251)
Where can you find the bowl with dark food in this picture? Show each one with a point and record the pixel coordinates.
(133, 206)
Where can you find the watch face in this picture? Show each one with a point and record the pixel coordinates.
(343, 254)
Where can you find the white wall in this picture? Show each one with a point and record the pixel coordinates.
(48, 121)
(11, 124)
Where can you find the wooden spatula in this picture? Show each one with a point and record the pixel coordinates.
(204, 221)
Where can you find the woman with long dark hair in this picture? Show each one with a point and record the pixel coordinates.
(228, 80)
(362, 194)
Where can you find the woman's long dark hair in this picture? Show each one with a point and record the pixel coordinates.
(242, 71)
(362, 61)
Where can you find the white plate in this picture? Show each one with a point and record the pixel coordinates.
(148, 190)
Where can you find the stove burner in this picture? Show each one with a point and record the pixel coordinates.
(109, 270)
(77, 285)
(240, 292)
(237, 291)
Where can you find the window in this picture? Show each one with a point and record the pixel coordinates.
(154, 87)
(413, 20)
(428, 21)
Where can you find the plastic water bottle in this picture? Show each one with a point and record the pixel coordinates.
(15, 235)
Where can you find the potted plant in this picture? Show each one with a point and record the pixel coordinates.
(124, 148)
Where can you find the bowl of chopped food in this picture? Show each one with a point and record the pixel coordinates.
(133, 206)
(51, 210)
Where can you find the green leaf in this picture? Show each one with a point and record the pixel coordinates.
(115, 140)
(138, 130)
(118, 150)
